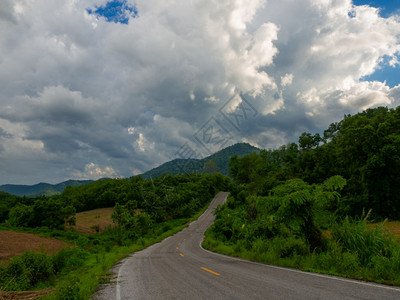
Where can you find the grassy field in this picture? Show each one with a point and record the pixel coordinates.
(93, 221)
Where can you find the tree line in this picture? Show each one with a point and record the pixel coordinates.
(309, 205)
(161, 199)
(363, 148)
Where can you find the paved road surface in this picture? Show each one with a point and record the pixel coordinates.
(179, 268)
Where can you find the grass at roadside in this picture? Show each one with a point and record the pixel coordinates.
(83, 282)
(336, 261)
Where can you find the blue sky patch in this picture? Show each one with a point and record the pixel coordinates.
(385, 72)
(387, 8)
(117, 11)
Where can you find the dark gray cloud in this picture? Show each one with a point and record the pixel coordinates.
(86, 98)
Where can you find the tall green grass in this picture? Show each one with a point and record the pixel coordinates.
(355, 250)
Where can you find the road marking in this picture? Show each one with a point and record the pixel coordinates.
(181, 254)
(331, 277)
(212, 272)
(118, 287)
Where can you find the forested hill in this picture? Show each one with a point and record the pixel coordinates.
(40, 188)
(217, 162)
(363, 148)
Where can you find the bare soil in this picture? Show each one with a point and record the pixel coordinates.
(15, 243)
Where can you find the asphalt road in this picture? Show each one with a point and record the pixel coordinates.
(179, 268)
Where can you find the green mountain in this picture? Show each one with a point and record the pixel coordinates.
(217, 162)
(40, 188)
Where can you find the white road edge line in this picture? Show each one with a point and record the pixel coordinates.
(302, 272)
(118, 286)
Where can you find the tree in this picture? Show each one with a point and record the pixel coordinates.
(21, 215)
(307, 141)
(210, 167)
(51, 212)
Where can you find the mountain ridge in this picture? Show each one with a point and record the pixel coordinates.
(217, 162)
(41, 188)
(220, 159)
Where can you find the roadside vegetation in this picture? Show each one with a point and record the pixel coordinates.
(328, 204)
(145, 212)
(315, 205)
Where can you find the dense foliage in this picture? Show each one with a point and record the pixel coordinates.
(303, 205)
(364, 149)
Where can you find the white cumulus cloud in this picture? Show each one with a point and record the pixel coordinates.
(112, 99)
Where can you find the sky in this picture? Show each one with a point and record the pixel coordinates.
(97, 88)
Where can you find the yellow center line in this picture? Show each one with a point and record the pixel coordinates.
(212, 272)
(181, 254)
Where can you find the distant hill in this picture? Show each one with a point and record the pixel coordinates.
(216, 162)
(40, 188)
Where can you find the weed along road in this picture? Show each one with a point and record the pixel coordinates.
(179, 268)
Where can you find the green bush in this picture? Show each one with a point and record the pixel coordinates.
(25, 271)
(69, 291)
(69, 259)
(382, 267)
(337, 262)
(291, 246)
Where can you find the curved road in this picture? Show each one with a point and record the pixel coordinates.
(179, 268)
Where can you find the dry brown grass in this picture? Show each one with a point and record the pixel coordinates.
(15, 243)
(90, 221)
(28, 295)
(393, 227)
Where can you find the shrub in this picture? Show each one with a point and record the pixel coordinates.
(25, 271)
(69, 259)
(69, 291)
(338, 262)
(287, 247)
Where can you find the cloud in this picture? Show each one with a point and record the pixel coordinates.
(92, 171)
(81, 93)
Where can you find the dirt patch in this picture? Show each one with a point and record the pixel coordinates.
(393, 227)
(16, 243)
(29, 295)
(93, 221)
